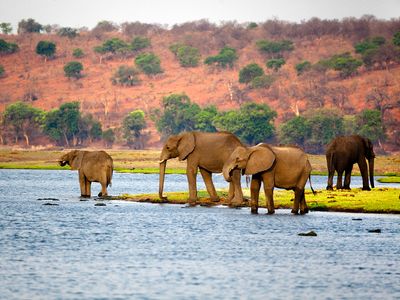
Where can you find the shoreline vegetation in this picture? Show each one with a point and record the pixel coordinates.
(378, 200)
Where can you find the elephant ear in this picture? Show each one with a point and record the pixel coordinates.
(186, 145)
(76, 160)
(260, 159)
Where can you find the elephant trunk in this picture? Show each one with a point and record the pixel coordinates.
(371, 171)
(226, 171)
(163, 164)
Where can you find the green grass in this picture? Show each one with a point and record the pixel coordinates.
(379, 200)
(391, 179)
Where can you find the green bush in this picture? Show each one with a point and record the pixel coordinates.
(303, 67)
(187, 56)
(273, 48)
(29, 26)
(73, 69)
(78, 53)
(2, 71)
(396, 39)
(125, 75)
(149, 63)
(139, 43)
(8, 48)
(249, 72)
(263, 81)
(275, 63)
(46, 49)
(68, 32)
(225, 58)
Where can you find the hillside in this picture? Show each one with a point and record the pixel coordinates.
(28, 74)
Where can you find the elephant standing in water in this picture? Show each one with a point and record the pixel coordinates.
(342, 153)
(282, 167)
(93, 166)
(207, 152)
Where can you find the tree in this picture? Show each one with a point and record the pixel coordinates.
(275, 63)
(295, 131)
(68, 32)
(249, 72)
(73, 69)
(325, 124)
(178, 115)
(24, 120)
(78, 53)
(62, 125)
(263, 81)
(345, 64)
(132, 126)
(396, 39)
(369, 125)
(188, 56)
(205, 119)
(274, 49)
(46, 49)
(139, 43)
(225, 58)
(126, 76)
(29, 26)
(108, 137)
(6, 28)
(149, 63)
(302, 67)
(252, 123)
(7, 48)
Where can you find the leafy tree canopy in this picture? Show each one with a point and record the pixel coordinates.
(274, 47)
(139, 43)
(369, 124)
(29, 26)
(6, 28)
(46, 48)
(302, 67)
(275, 63)
(149, 63)
(126, 76)
(78, 53)
(68, 32)
(249, 72)
(188, 56)
(8, 48)
(225, 58)
(73, 69)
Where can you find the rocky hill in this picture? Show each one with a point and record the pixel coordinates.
(30, 78)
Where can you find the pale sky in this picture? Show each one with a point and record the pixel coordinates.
(79, 13)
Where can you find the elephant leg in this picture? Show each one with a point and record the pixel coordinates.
(339, 180)
(88, 186)
(331, 173)
(237, 199)
(103, 192)
(303, 204)
(362, 164)
(268, 180)
(207, 177)
(191, 173)
(298, 194)
(255, 186)
(347, 178)
(82, 184)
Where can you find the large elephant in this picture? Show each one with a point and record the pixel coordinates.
(207, 152)
(93, 166)
(282, 167)
(342, 153)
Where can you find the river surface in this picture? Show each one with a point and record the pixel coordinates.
(124, 250)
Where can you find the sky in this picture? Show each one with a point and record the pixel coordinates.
(87, 13)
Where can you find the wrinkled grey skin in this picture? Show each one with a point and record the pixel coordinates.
(92, 166)
(206, 152)
(342, 153)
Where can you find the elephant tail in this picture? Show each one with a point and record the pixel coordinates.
(109, 175)
(309, 178)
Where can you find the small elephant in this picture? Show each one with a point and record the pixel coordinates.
(284, 167)
(205, 151)
(93, 166)
(342, 153)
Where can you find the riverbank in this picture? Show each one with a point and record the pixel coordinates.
(379, 200)
(146, 161)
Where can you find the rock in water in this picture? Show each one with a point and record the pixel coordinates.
(310, 233)
(375, 230)
(100, 204)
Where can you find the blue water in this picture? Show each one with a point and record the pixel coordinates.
(76, 250)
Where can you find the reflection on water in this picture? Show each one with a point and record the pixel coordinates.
(75, 250)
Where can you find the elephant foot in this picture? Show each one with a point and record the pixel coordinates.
(215, 199)
(192, 202)
(329, 188)
(366, 188)
(271, 211)
(303, 212)
(295, 212)
(254, 211)
(85, 196)
(235, 204)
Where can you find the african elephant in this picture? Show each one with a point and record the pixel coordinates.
(93, 166)
(342, 153)
(284, 167)
(205, 151)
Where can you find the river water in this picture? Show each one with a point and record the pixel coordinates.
(124, 250)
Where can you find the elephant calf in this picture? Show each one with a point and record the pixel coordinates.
(281, 167)
(93, 166)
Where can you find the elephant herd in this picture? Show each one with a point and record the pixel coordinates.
(285, 167)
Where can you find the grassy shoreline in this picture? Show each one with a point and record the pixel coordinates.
(380, 200)
(146, 161)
